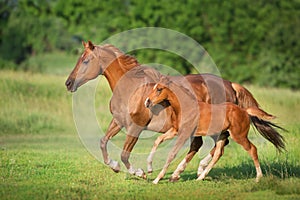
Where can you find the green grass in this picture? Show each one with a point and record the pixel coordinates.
(42, 157)
(57, 63)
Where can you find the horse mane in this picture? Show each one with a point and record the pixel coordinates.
(126, 61)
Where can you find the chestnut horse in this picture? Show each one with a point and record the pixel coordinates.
(127, 103)
(230, 117)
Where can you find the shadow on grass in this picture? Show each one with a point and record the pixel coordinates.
(247, 170)
(275, 178)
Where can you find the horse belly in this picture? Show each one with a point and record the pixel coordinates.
(208, 130)
(213, 120)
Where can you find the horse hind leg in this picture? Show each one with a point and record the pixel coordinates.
(252, 151)
(239, 129)
(171, 133)
(112, 130)
(194, 148)
(253, 154)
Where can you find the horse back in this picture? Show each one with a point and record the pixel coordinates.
(212, 89)
(217, 118)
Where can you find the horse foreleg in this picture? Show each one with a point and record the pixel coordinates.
(217, 154)
(205, 161)
(194, 148)
(112, 130)
(182, 138)
(130, 141)
(171, 133)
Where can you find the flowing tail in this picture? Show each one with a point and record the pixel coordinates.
(257, 112)
(244, 97)
(259, 117)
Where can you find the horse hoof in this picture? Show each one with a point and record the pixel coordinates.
(150, 172)
(116, 170)
(174, 179)
(115, 166)
(149, 169)
(257, 179)
(155, 181)
(140, 173)
(200, 178)
(200, 171)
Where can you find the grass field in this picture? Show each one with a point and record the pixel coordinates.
(42, 156)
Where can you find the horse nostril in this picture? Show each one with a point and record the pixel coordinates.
(68, 82)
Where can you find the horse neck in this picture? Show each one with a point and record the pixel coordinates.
(175, 104)
(114, 72)
(186, 98)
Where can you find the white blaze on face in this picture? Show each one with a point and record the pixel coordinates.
(146, 102)
(155, 86)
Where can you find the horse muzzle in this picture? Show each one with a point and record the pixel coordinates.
(70, 85)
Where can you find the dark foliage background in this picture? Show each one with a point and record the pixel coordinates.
(254, 42)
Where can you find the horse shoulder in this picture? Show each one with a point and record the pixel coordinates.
(138, 112)
(204, 119)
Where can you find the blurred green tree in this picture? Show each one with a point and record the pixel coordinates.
(250, 41)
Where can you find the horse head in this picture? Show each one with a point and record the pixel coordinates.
(159, 92)
(92, 62)
(87, 68)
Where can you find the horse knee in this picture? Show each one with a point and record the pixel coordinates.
(158, 141)
(125, 157)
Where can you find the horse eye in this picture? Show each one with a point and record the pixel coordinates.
(158, 89)
(86, 61)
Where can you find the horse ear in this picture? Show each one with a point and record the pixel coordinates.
(165, 80)
(83, 43)
(91, 45)
(161, 78)
(168, 82)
